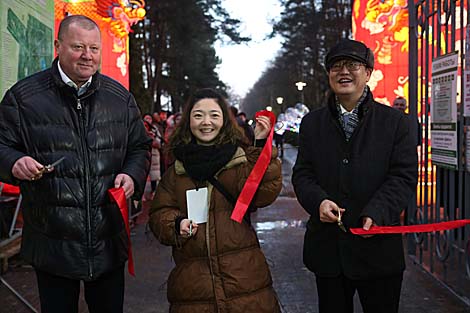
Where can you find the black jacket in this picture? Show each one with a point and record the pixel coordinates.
(71, 228)
(374, 174)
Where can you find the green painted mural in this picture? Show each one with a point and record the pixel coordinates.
(26, 39)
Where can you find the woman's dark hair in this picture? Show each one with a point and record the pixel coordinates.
(229, 133)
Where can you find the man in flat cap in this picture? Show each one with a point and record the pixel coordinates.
(356, 168)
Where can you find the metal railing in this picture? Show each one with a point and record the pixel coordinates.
(438, 28)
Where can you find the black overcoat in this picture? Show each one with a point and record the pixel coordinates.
(374, 174)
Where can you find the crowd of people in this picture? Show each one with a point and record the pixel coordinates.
(356, 167)
(159, 129)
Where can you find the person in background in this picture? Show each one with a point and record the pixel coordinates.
(172, 123)
(356, 167)
(400, 104)
(219, 263)
(154, 173)
(279, 142)
(90, 125)
(234, 111)
(158, 123)
(163, 116)
(161, 126)
(243, 123)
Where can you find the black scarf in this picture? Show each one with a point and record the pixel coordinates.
(203, 162)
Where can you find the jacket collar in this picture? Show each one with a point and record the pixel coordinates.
(238, 158)
(364, 107)
(95, 82)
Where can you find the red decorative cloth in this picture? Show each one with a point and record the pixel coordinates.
(118, 195)
(421, 228)
(257, 173)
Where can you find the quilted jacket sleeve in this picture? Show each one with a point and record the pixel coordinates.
(10, 146)
(164, 211)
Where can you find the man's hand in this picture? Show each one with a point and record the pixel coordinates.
(126, 182)
(327, 211)
(27, 168)
(367, 223)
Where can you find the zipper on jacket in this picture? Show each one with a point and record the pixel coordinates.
(210, 262)
(82, 133)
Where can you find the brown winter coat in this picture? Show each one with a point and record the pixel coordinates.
(222, 268)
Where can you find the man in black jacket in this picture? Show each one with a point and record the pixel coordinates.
(72, 231)
(356, 167)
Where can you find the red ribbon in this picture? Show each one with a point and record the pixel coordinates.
(118, 195)
(10, 190)
(421, 228)
(257, 173)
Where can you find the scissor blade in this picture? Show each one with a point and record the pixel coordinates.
(57, 162)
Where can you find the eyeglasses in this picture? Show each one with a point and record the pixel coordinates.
(352, 66)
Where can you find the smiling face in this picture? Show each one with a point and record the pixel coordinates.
(79, 52)
(349, 80)
(206, 120)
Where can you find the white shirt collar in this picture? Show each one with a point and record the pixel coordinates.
(343, 110)
(71, 83)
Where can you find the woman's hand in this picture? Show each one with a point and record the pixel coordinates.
(263, 126)
(186, 230)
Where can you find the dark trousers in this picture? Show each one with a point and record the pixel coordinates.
(60, 294)
(335, 295)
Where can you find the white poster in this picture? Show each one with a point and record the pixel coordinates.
(444, 111)
(466, 91)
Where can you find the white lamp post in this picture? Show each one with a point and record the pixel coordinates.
(300, 87)
(279, 101)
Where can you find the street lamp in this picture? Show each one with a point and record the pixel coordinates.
(279, 101)
(300, 87)
(269, 108)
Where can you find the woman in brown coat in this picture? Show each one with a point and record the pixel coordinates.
(219, 264)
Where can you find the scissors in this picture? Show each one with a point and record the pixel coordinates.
(340, 223)
(48, 168)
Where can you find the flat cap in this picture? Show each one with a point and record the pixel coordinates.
(350, 49)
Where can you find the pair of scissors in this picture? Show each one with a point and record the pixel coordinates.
(48, 168)
(340, 223)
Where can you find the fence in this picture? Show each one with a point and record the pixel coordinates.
(438, 28)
